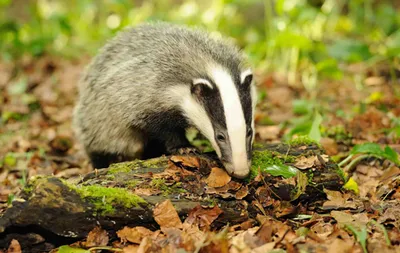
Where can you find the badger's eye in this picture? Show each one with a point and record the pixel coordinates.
(221, 137)
(249, 132)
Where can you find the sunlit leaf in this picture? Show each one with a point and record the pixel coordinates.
(367, 148)
(315, 132)
(351, 185)
(361, 235)
(376, 150)
(281, 170)
(302, 106)
(68, 249)
(391, 155)
(10, 159)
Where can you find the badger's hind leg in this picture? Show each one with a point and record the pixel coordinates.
(101, 160)
(114, 148)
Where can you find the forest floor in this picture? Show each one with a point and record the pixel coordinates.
(36, 138)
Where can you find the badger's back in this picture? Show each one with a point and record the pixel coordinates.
(136, 85)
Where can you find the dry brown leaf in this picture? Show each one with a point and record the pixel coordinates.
(186, 161)
(203, 216)
(266, 231)
(305, 162)
(134, 235)
(216, 244)
(146, 191)
(337, 200)
(356, 220)
(14, 247)
(391, 216)
(218, 178)
(242, 192)
(330, 146)
(97, 237)
(322, 229)
(339, 245)
(241, 240)
(264, 248)
(131, 249)
(269, 132)
(61, 144)
(166, 216)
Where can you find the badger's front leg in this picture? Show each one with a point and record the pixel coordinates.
(169, 143)
(177, 143)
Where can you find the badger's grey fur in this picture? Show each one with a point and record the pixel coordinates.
(151, 82)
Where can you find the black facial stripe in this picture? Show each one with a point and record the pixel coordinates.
(214, 107)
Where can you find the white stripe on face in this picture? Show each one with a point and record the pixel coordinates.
(253, 95)
(234, 118)
(244, 75)
(202, 81)
(196, 113)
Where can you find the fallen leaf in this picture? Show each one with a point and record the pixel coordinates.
(14, 247)
(216, 244)
(242, 192)
(305, 162)
(97, 237)
(391, 216)
(337, 200)
(242, 240)
(339, 245)
(330, 146)
(218, 178)
(203, 216)
(269, 132)
(134, 235)
(358, 221)
(131, 249)
(166, 216)
(186, 161)
(264, 248)
(61, 144)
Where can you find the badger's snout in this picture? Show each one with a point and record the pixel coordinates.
(238, 171)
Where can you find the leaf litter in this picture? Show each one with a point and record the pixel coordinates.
(36, 139)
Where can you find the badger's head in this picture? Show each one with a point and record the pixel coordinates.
(222, 107)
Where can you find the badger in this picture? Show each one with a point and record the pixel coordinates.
(151, 82)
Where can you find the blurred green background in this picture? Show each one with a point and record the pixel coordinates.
(311, 37)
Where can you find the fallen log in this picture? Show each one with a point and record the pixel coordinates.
(52, 211)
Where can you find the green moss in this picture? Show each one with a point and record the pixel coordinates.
(257, 145)
(152, 163)
(105, 199)
(110, 177)
(338, 133)
(120, 168)
(302, 140)
(125, 167)
(263, 159)
(159, 183)
(132, 183)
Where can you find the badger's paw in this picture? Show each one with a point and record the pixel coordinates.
(186, 151)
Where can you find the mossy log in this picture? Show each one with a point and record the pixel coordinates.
(60, 211)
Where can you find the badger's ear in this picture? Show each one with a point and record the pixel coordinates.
(246, 78)
(201, 87)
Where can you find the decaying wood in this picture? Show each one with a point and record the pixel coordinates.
(58, 211)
